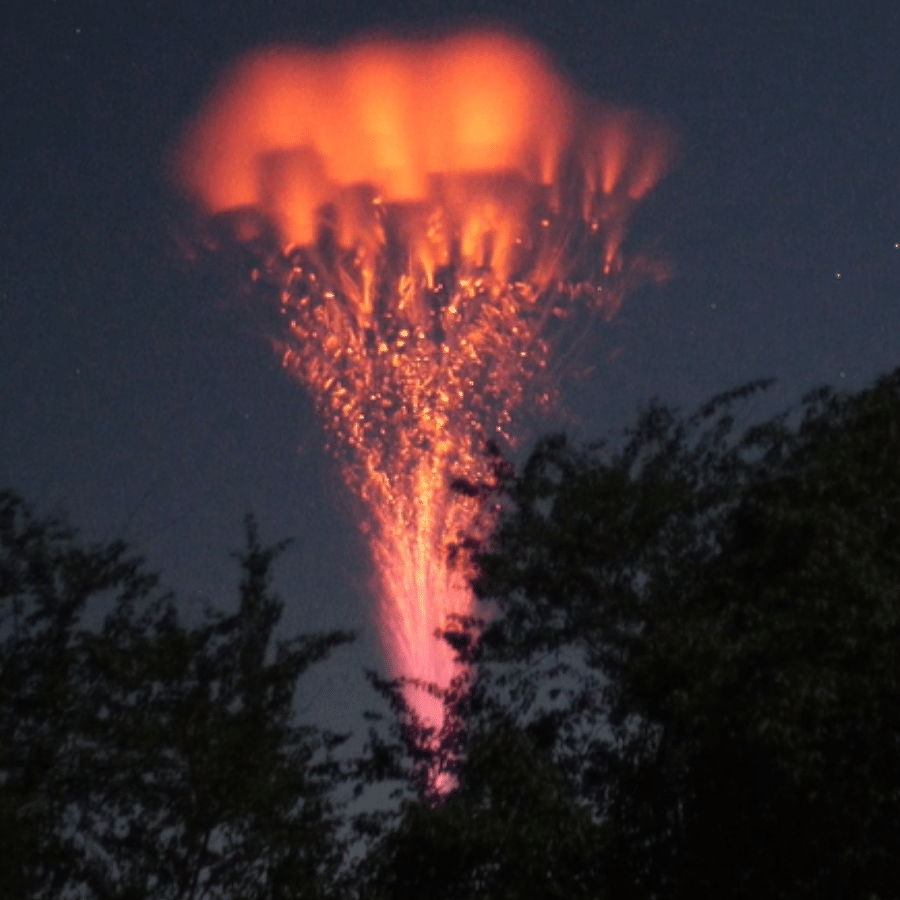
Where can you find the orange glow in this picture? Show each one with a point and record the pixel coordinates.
(444, 208)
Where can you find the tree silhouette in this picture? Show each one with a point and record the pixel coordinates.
(689, 687)
(145, 757)
(704, 632)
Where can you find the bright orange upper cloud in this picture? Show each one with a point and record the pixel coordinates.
(287, 129)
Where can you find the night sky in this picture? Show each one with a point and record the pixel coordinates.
(138, 404)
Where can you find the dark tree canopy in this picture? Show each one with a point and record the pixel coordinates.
(721, 617)
(688, 687)
(145, 758)
(690, 684)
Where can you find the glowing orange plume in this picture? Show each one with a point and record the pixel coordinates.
(393, 115)
(441, 207)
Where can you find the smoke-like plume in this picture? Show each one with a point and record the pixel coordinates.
(444, 209)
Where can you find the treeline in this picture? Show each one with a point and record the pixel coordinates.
(687, 686)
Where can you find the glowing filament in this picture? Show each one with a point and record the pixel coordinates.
(445, 211)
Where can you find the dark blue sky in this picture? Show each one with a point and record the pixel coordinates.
(139, 405)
